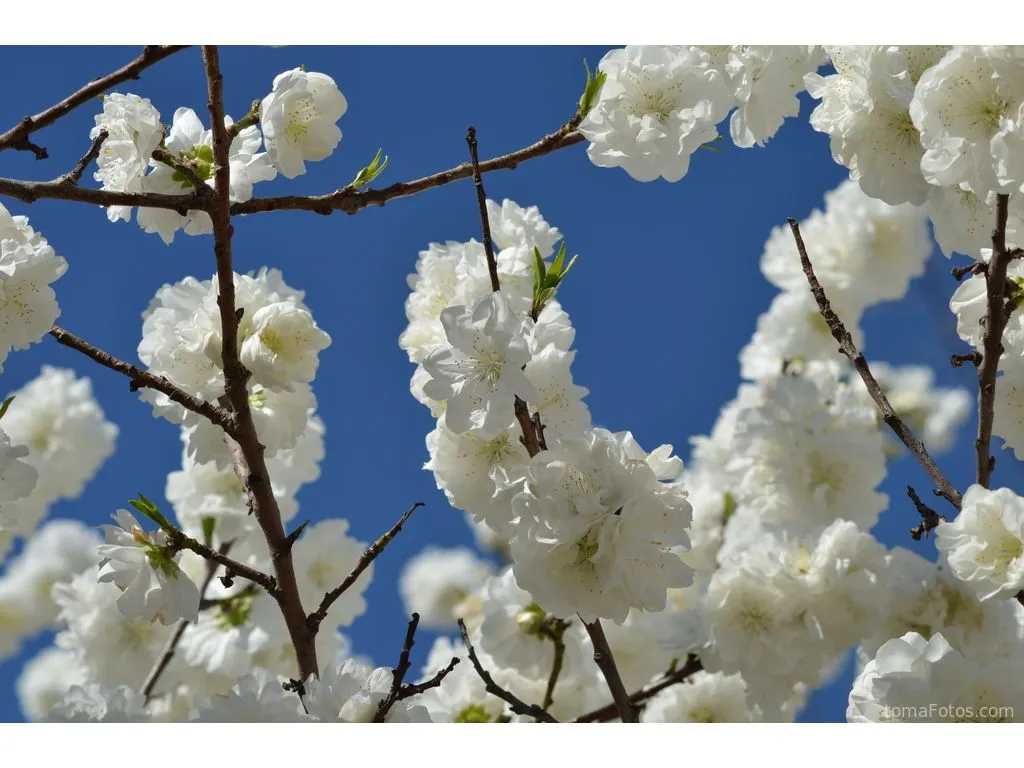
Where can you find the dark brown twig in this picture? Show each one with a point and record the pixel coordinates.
(970, 357)
(167, 653)
(481, 199)
(17, 137)
(672, 677)
(162, 155)
(314, 619)
(930, 519)
(992, 344)
(352, 200)
(141, 379)
(247, 451)
(414, 689)
(839, 332)
(59, 189)
(518, 706)
(73, 176)
(234, 568)
(399, 672)
(977, 268)
(606, 663)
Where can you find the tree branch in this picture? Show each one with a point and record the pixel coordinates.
(234, 568)
(59, 189)
(250, 465)
(179, 629)
(481, 199)
(142, 379)
(930, 519)
(992, 344)
(352, 200)
(606, 663)
(17, 137)
(518, 706)
(839, 332)
(672, 677)
(73, 176)
(314, 619)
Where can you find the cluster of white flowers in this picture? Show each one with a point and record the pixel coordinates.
(660, 104)
(140, 155)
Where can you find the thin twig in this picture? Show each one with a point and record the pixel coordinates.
(481, 199)
(556, 668)
(399, 672)
(992, 344)
(839, 332)
(606, 663)
(179, 629)
(142, 379)
(414, 689)
(977, 268)
(970, 357)
(672, 677)
(17, 137)
(518, 706)
(162, 155)
(247, 451)
(314, 619)
(351, 200)
(930, 519)
(234, 568)
(59, 189)
(73, 176)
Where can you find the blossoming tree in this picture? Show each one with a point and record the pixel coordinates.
(631, 587)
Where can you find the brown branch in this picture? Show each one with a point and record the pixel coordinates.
(672, 677)
(839, 332)
(977, 268)
(163, 155)
(399, 672)
(234, 568)
(518, 706)
(142, 379)
(250, 465)
(179, 629)
(17, 137)
(59, 189)
(606, 663)
(930, 519)
(352, 200)
(414, 689)
(481, 199)
(73, 176)
(992, 344)
(970, 357)
(314, 619)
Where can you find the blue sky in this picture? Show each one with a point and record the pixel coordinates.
(665, 293)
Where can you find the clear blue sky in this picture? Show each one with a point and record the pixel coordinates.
(666, 291)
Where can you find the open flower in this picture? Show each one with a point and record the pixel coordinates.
(144, 567)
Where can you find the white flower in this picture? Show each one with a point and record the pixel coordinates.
(44, 681)
(559, 401)
(969, 303)
(17, 479)
(765, 80)
(145, 568)
(597, 529)
(984, 546)
(298, 119)
(479, 373)
(96, 703)
(916, 680)
(962, 106)
(350, 692)
(658, 105)
(28, 265)
(282, 348)
(56, 417)
(17, 617)
(192, 145)
(324, 556)
(512, 225)
(133, 131)
(257, 697)
(963, 221)
(706, 697)
(436, 580)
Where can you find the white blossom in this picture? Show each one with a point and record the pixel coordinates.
(436, 580)
(133, 130)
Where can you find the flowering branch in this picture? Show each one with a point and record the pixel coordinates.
(673, 676)
(350, 200)
(839, 332)
(606, 663)
(930, 519)
(59, 189)
(252, 117)
(17, 137)
(992, 345)
(517, 704)
(481, 199)
(73, 176)
(250, 465)
(314, 619)
(141, 379)
(179, 629)
(162, 155)
(400, 691)
(234, 568)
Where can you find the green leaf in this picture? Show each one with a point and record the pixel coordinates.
(567, 268)
(146, 507)
(728, 506)
(539, 269)
(370, 172)
(6, 405)
(591, 90)
(208, 525)
(556, 268)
